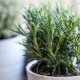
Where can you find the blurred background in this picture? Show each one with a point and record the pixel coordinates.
(74, 3)
(18, 9)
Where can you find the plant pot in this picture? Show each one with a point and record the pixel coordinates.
(11, 59)
(33, 76)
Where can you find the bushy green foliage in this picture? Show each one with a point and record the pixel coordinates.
(8, 17)
(53, 38)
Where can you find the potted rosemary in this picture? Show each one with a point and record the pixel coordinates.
(53, 42)
(11, 59)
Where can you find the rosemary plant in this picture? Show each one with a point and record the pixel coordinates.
(53, 38)
(8, 17)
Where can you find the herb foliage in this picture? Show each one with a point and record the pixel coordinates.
(53, 38)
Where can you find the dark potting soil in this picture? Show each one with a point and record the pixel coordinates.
(43, 70)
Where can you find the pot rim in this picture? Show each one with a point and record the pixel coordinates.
(28, 69)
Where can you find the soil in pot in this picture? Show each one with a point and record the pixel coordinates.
(43, 70)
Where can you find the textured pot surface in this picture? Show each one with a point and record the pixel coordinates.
(11, 59)
(33, 76)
